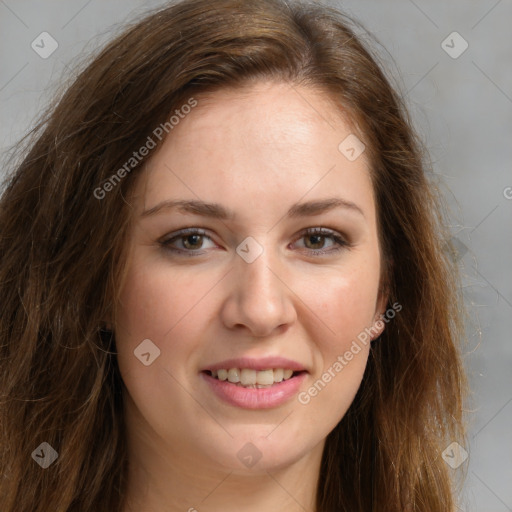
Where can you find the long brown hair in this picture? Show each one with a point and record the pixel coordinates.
(62, 254)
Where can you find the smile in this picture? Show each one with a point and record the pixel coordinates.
(250, 378)
(253, 395)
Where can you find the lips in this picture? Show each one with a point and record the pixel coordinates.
(252, 383)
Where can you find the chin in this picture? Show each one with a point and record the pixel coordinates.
(257, 454)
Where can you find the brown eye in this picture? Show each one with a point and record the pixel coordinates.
(315, 241)
(320, 241)
(188, 241)
(192, 241)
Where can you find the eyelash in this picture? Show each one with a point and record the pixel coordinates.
(340, 243)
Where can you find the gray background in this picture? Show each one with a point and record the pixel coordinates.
(463, 110)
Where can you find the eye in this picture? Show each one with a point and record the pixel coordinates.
(187, 241)
(191, 242)
(315, 241)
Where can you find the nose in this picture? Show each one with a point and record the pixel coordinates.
(259, 299)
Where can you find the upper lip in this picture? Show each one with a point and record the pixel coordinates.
(264, 363)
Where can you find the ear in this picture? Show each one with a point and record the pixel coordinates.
(380, 308)
(378, 324)
(107, 323)
(106, 326)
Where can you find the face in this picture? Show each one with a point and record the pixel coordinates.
(254, 247)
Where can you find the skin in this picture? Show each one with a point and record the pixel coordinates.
(256, 151)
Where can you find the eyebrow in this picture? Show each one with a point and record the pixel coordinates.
(217, 211)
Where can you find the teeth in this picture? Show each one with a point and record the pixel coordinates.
(247, 377)
(265, 377)
(252, 378)
(234, 375)
(278, 374)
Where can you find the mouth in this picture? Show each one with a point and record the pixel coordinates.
(254, 379)
(250, 388)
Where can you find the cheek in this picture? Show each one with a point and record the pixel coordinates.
(340, 308)
(168, 308)
(154, 300)
(342, 304)
(140, 317)
(343, 309)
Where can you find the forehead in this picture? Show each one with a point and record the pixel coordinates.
(265, 115)
(249, 140)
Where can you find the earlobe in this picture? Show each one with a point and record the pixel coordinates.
(106, 326)
(378, 326)
(378, 321)
(382, 301)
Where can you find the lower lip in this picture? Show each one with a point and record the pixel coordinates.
(255, 398)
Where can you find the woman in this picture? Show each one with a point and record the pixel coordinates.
(223, 283)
